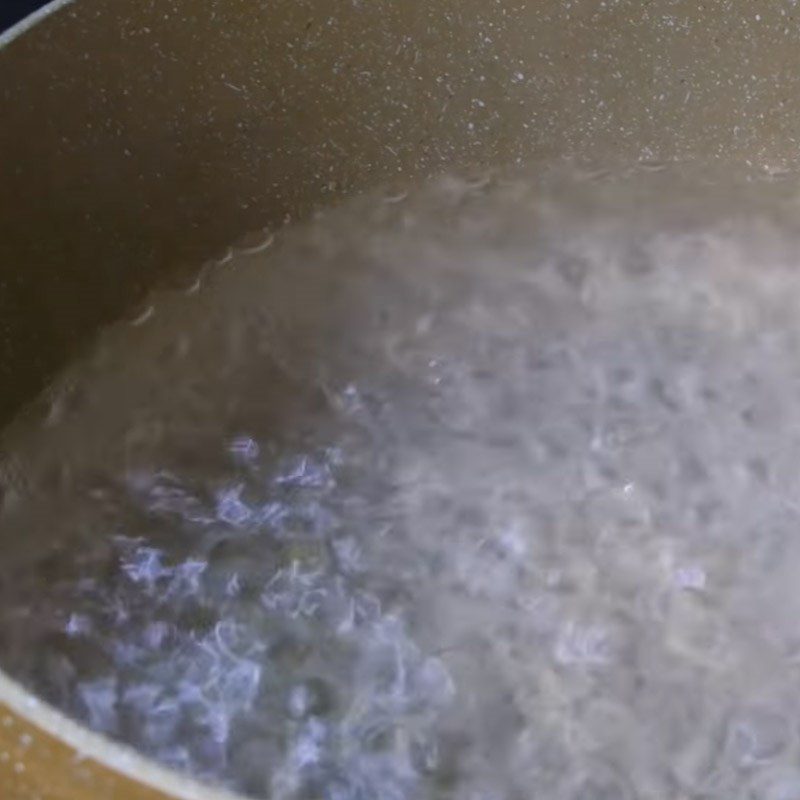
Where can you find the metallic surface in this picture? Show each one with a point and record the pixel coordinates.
(141, 137)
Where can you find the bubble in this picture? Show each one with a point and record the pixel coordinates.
(758, 734)
(254, 243)
(580, 644)
(244, 448)
(231, 509)
(573, 270)
(143, 317)
(99, 699)
(145, 566)
(782, 783)
(311, 697)
(395, 196)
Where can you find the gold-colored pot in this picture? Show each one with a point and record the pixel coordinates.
(137, 138)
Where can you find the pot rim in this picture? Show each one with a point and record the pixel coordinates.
(26, 23)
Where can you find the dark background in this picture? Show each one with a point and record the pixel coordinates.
(12, 11)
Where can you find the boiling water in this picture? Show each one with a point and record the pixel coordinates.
(485, 490)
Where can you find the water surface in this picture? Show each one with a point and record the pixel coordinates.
(482, 489)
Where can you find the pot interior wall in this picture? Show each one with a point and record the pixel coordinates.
(140, 138)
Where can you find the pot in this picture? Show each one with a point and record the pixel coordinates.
(139, 139)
